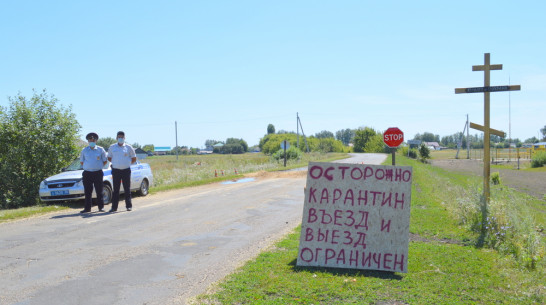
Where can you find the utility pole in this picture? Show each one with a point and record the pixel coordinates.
(303, 133)
(176, 136)
(298, 129)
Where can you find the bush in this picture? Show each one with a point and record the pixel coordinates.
(406, 151)
(424, 152)
(37, 139)
(539, 159)
(271, 143)
(495, 178)
(292, 153)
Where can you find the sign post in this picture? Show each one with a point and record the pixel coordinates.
(285, 145)
(393, 137)
(413, 142)
(487, 130)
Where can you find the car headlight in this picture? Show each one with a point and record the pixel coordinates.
(42, 185)
(79, 183)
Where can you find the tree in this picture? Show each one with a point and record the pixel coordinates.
(136, 145)
(424, 152)
(211, 143)
(106, 142)
(368, 140)
(345, 135)
(234, 146)
(37, 139)
(272, 142)
(325, 134)
(543, 131)
(148, 147)
(270, 129)
(326, 145)
(282, 131)
(427, 137)
(532, 140)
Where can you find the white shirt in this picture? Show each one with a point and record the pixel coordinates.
(121, 155)
(93, 158)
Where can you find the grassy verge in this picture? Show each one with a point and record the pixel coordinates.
(170, 173)
(446, 265)
(201, 169)
(6, 215)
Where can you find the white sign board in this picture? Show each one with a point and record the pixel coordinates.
(356, 216)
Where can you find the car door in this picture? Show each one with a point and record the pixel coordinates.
(136, 175)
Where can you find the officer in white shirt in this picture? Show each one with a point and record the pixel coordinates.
(92, 159)
(121, 155)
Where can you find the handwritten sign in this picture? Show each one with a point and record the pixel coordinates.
(356, 216)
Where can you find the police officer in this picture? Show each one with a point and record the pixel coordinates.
(93, 159)
(121, 155)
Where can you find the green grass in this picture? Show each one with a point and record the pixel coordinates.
(194, 170)
(6, 215)
(445, 265)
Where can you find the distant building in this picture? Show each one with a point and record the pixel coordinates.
(141, 154)
(433, 145)
(205, 151)
(162, 150)
(539, 146)
(217, 148)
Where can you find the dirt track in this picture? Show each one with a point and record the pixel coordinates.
(532, 183)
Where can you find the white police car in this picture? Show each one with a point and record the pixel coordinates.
(68, 185)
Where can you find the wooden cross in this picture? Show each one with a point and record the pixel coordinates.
(487, 130)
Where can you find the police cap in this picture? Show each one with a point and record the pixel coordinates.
(92, 135)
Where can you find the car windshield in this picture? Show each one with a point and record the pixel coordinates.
(76, 165)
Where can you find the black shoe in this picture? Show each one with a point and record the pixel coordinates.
(85, 211)
(112, 211)
(129, 209)
(101, 210)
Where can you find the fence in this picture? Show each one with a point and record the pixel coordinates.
(501, 154)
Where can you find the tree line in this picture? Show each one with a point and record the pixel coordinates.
(475, 141)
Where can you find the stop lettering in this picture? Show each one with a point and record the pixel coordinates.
(393, 137)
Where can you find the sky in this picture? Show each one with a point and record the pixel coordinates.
(228, 69)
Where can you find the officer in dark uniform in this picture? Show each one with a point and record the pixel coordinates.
(93, 159)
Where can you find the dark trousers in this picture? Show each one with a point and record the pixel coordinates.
(121, 176)
(91, 179)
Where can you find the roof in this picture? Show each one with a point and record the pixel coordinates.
(432, 144)
(162, 148)
(140, 151)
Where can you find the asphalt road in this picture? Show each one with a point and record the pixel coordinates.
(170, 248)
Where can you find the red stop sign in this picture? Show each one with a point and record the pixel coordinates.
(393, 137)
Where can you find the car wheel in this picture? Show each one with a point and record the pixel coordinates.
(106, 193)
(143, 190)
